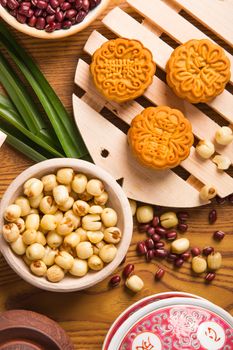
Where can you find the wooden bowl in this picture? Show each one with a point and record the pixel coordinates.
(27, 330)
(117, 200)
(57, 34)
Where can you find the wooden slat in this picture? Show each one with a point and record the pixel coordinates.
(104, 135)
(158, 93)
(215, 14)
(2, 138)
(205, 171)
(170, 22)
(125, 26)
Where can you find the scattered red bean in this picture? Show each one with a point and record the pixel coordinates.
(150, 255)
(171, 257)
(178, 262)
(220, 200)
(143, 227)
(115, 281)
(159, 274)
(128, 270)
(182, 215)
(212, 216)
(149, 243)
(196, 251)
(156, 238)
(207, 251)
(218, 235)
(185, 256)
(155, 221)
(159, 245)
(160, 253)
(170, 236)
(160, 231)
(182, 227)
(151, 231)
(210, 276)
(141, 248)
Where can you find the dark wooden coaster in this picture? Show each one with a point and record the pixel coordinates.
(27, 330)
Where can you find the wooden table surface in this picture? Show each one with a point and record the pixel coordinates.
(87, 315)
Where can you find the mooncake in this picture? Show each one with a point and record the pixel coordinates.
(160, 137)
(122, 69)
(198, 70)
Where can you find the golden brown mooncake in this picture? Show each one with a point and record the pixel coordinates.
(122, 69)
(198, 70)
(160, 137)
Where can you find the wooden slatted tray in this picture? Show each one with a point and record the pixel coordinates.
(107, 144)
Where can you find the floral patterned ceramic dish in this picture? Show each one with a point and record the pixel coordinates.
(172, 323)
(137, 306)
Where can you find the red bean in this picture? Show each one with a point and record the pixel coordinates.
(128, 270)
(160, 231)
(65, 6)
(155, 237)
(207, 251)
(155, 221)
(12, 4)
(38, 13)
(78, 4)
(218, 235)
(185, 256)
(21, 18)
(115, 281)
(54, 3)
(149, 243)
(196, 251)
(150, 255)
(50, 10)
(32, 21)
(159, 245)
(182, 227)
(50, 18)
(182, 215)
(70, 13)
(178, 262)
(160, 253)
(66, 24)
(170, 236)
(80, 16)
(210, 276)
(141, 248)
(159, 274)
(151, 231)
(41, 4)
(171, 257)
(40, 23)
(143, 227)
(3, 3)
(212, 216)
(59, 16)
(13, 13)
(85, 5)
(58, 26)
(94, 3)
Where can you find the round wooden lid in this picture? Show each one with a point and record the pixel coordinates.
(27, 330)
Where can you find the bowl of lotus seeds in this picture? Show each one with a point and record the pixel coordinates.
(65, 225)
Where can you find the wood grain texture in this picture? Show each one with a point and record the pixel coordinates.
(87, 315)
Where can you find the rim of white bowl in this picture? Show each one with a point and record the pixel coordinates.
(57, 34)
(16, 262)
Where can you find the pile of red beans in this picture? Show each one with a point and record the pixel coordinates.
(49, 15)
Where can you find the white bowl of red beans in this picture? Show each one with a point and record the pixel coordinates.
(51, 19)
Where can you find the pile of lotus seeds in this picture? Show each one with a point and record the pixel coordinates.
(62, 225)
